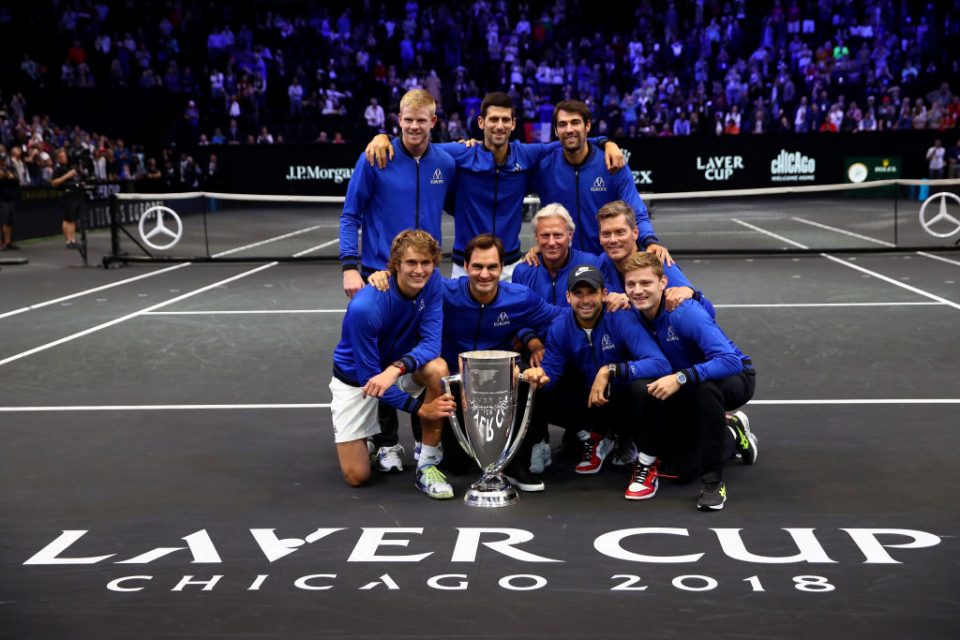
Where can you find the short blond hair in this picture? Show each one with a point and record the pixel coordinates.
(555, 210)
(418, 99)
(643, 260)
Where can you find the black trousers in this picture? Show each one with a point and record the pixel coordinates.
(694, 437)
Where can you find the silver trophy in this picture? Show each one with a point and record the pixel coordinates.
(488, 382)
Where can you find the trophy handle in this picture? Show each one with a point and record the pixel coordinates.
(524, 423)
(457, 431)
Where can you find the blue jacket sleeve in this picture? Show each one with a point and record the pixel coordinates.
(362, 333)
(627, 191)
(359, 191)
(555, 356)
(537, 317)
(693, 323)
(431, 325)
(457, 150)
(676, 278)
(647, 361)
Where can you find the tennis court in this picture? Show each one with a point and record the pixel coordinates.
(168, 468)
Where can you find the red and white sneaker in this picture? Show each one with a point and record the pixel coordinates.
(596, 448)
(643, 483)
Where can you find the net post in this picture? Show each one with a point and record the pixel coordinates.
(896, 216)
(206, 233)
(114, 210)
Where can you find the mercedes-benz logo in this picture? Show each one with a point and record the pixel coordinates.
(160, 214)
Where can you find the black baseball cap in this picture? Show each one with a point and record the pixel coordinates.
(586, 274)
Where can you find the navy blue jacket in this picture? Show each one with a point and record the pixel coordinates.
(586, 187)
(553, 290)
(406, 194)
(381, 327)
(694, 343)
(516, 311)
(617, 338)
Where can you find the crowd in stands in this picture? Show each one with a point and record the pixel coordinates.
(335, 71)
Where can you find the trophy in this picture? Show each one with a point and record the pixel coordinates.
(488, 382)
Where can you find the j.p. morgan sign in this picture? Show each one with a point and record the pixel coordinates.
(632, 548)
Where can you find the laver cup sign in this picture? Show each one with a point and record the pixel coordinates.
(488, 382)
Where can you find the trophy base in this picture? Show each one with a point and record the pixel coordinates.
(491, 492)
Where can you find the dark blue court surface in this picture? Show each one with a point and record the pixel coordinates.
(168, 470)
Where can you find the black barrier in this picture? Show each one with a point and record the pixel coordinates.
(659, 165)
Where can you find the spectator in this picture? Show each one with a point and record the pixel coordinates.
(375, 117)
(935, 159)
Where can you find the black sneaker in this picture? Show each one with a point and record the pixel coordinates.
(746, 441)
(520, 477)
(12, 247)
(713, 495)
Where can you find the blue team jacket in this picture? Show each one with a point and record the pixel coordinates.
(617, 338)
(406, 194)
(586, 187)
(489, 197)
(538, 278)
(381, 327)
(675, 278)
(516, 311)
(693, 342)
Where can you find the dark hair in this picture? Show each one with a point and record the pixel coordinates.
(572, 106)
(497, 99)
(483, 241)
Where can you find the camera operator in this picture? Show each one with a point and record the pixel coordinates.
(68, 177)
(9, 193)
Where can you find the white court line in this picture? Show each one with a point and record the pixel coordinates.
(844, 231)
(160, 305)
(931, 256)
(159, 407)
(270, 311)
(316, 248)
(879, 276)
(816, 305)
(902, 285)
(267, 241)
(229, 407)
(769, 233)
(94, 290)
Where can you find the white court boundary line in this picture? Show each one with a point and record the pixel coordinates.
(94, 290)
(254, 312)
(115, 321)
(936, 257)
(232, 407)
(879, 276)
(843, 231)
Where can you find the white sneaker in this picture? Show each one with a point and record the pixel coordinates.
(390, 458)
(596, 448)
(372, 452)
(419, 446)
(625, 452)
(433, 483)
(540, 457)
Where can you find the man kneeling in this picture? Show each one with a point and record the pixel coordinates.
(389, 349)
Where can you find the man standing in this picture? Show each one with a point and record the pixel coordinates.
(67, 179)
(480, 312)
(493, 178)
(935, 159)
(710, 376)
(9, 193)
(408, 194)
(610, 359)
(375, 117)
(389, 350)
(575, 176)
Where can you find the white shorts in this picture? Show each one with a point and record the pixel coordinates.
(506, 275)
(355, 417)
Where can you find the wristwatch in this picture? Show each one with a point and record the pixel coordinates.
(399, 365)
(612, 370)
(682, 378)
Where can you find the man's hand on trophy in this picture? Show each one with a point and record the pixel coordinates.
(535, 377)
(380, 280)
(537, 351)
(440, 407)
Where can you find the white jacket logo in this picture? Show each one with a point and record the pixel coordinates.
(606, 343)
(437, 177)
(423, 304)
(671, 334)
(598, 185)
(502, 320)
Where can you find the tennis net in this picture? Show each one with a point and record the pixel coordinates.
(876, 216)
